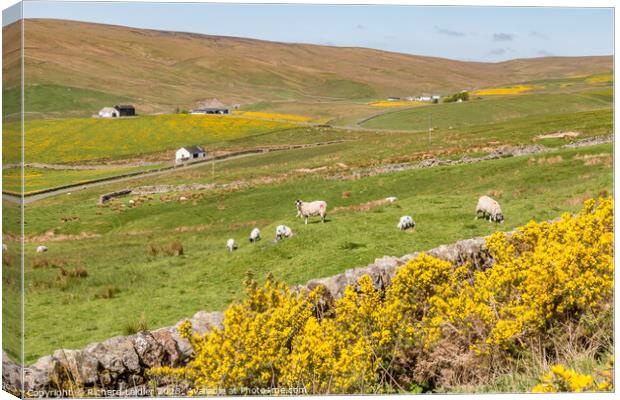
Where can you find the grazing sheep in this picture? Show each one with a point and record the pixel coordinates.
(41, 249)
(405, 223)
(182, 198)
(489, 209)
(283, 231)
(231, 245)
(307, 209)
(391, 199)
(254, 235)
(131, 202)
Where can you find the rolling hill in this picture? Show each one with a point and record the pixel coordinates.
(160, 70)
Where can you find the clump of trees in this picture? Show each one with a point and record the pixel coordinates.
(463, 96)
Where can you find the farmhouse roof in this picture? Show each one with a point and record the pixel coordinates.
(213, 103)
(194, 149)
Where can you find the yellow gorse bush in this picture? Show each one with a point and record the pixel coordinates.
(561, 379)
(372, 340)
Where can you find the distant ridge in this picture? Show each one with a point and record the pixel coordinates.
(161, 70)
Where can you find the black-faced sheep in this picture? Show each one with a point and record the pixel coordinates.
(254, 235)
(489, 209)
(283, 231)
(307, 209)
(406, 222)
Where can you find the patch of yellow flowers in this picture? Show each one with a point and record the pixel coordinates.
(600, 78)
(387, 103)
(543, 274)
(278, 116)
(503, 90)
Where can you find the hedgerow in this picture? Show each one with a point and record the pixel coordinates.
(436, 326)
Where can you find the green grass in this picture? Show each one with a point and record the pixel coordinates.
(44, 178)
(365, 149)
(490, 109)
(11, 283)
(47, 100)
(164, 289)
(81, 139)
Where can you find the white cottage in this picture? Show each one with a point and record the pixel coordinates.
(109, 112)
(190, 153)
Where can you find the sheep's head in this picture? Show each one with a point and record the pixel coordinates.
(499, 218)
(298, 203)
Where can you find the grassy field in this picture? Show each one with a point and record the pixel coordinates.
(72, 311)
(492, 109)
(36, 179)
(54, 141)
(11, 283)
(360, 149)
(49, 100)
(366, 149)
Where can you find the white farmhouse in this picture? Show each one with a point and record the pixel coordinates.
(190, 153)
(109, 112)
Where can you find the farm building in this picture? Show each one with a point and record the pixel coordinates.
(190, 153)
(126, 110)
(213, 106)
(108, 112)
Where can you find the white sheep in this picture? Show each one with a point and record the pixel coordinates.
(41, 249)
(4, 248)
(489, 209)
(231, 245)
(307, 209)
(405, 223)
(391, 199)
(254, 235)
(283, 231)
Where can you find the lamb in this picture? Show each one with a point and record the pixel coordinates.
(489, 209)
(405, 223)
(307, 209)
(254, 235)
(231, 245)
(391, 199)
(41, 249)
(283, 231)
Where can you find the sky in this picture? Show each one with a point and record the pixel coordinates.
(465, 33)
